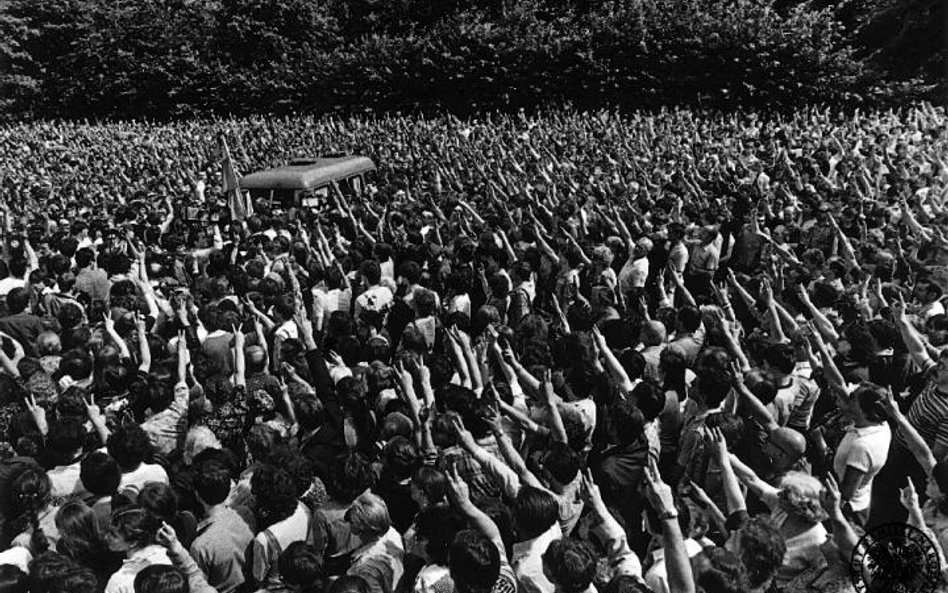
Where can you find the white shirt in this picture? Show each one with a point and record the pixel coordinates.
(527, 561)
(17, 556)
(145, 473)
(9, 283)
(65, 480)
(123, 581)
(865, 449)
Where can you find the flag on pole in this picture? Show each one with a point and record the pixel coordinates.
(236, 202)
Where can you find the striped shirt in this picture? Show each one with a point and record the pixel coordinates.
(929, 413)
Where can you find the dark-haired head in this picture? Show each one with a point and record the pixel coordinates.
(302, 565)
(349, 584)
(570, 565)
(474, 561)
(13, 580)
(129, 446)
(275, 493)
(100, 474)
(535, 511)
(159, 578)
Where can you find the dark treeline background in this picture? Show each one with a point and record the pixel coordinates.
(184, 58)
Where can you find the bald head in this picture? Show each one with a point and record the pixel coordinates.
(791, 443)
(653, 333)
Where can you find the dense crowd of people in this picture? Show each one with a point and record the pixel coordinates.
(559, 353)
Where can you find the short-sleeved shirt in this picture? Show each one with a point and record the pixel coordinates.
(865, 449)
(929, 413)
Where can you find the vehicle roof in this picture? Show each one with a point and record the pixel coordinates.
(307, 173)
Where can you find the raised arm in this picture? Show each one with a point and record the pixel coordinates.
(550, 401)
(460, 495)
(501, 473)
(612, 362)
(240, 363)
(144, 351)
(113, 335)
(821, 321)
(677, 561)
(913, 341)
(729, 482)
(913, 440)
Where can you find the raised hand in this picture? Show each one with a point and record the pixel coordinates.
(908, 496)
(140, 325)
(658, 493)
(590, 490)
(38, 413)
(109, 322)
(93, 411)
(464, 436)
(335, 359)
(458, 490)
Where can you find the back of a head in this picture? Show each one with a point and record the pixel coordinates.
(368, 516)
(80, 580)
(302, 564)
(720, 571)
(212, 481)
(17, 300)
(84, 258)
(689, 318)
(653, 333)
(129, 446)
(47, 570)
(800, 497)
(136, 525)
(160, 499)
(762, 550)
(351, 476)
(100, 474)
(13, 580)
(781, 357)
(474, 562)
(349, 584)
(650, 398)
(439, 524)
(66, 438)
(562, 463)
(627, 422)
(275, 492)
(626, 583)
(570, 564)
(535, 512)
(400, 457)
(18, 267)
(159, 578)
(371, 271)
(713, 386)
(791, 442)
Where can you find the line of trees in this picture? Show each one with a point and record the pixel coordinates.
(184, 58)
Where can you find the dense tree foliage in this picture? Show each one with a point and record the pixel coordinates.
(174, 58)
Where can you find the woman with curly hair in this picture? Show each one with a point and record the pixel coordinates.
(796, 512)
